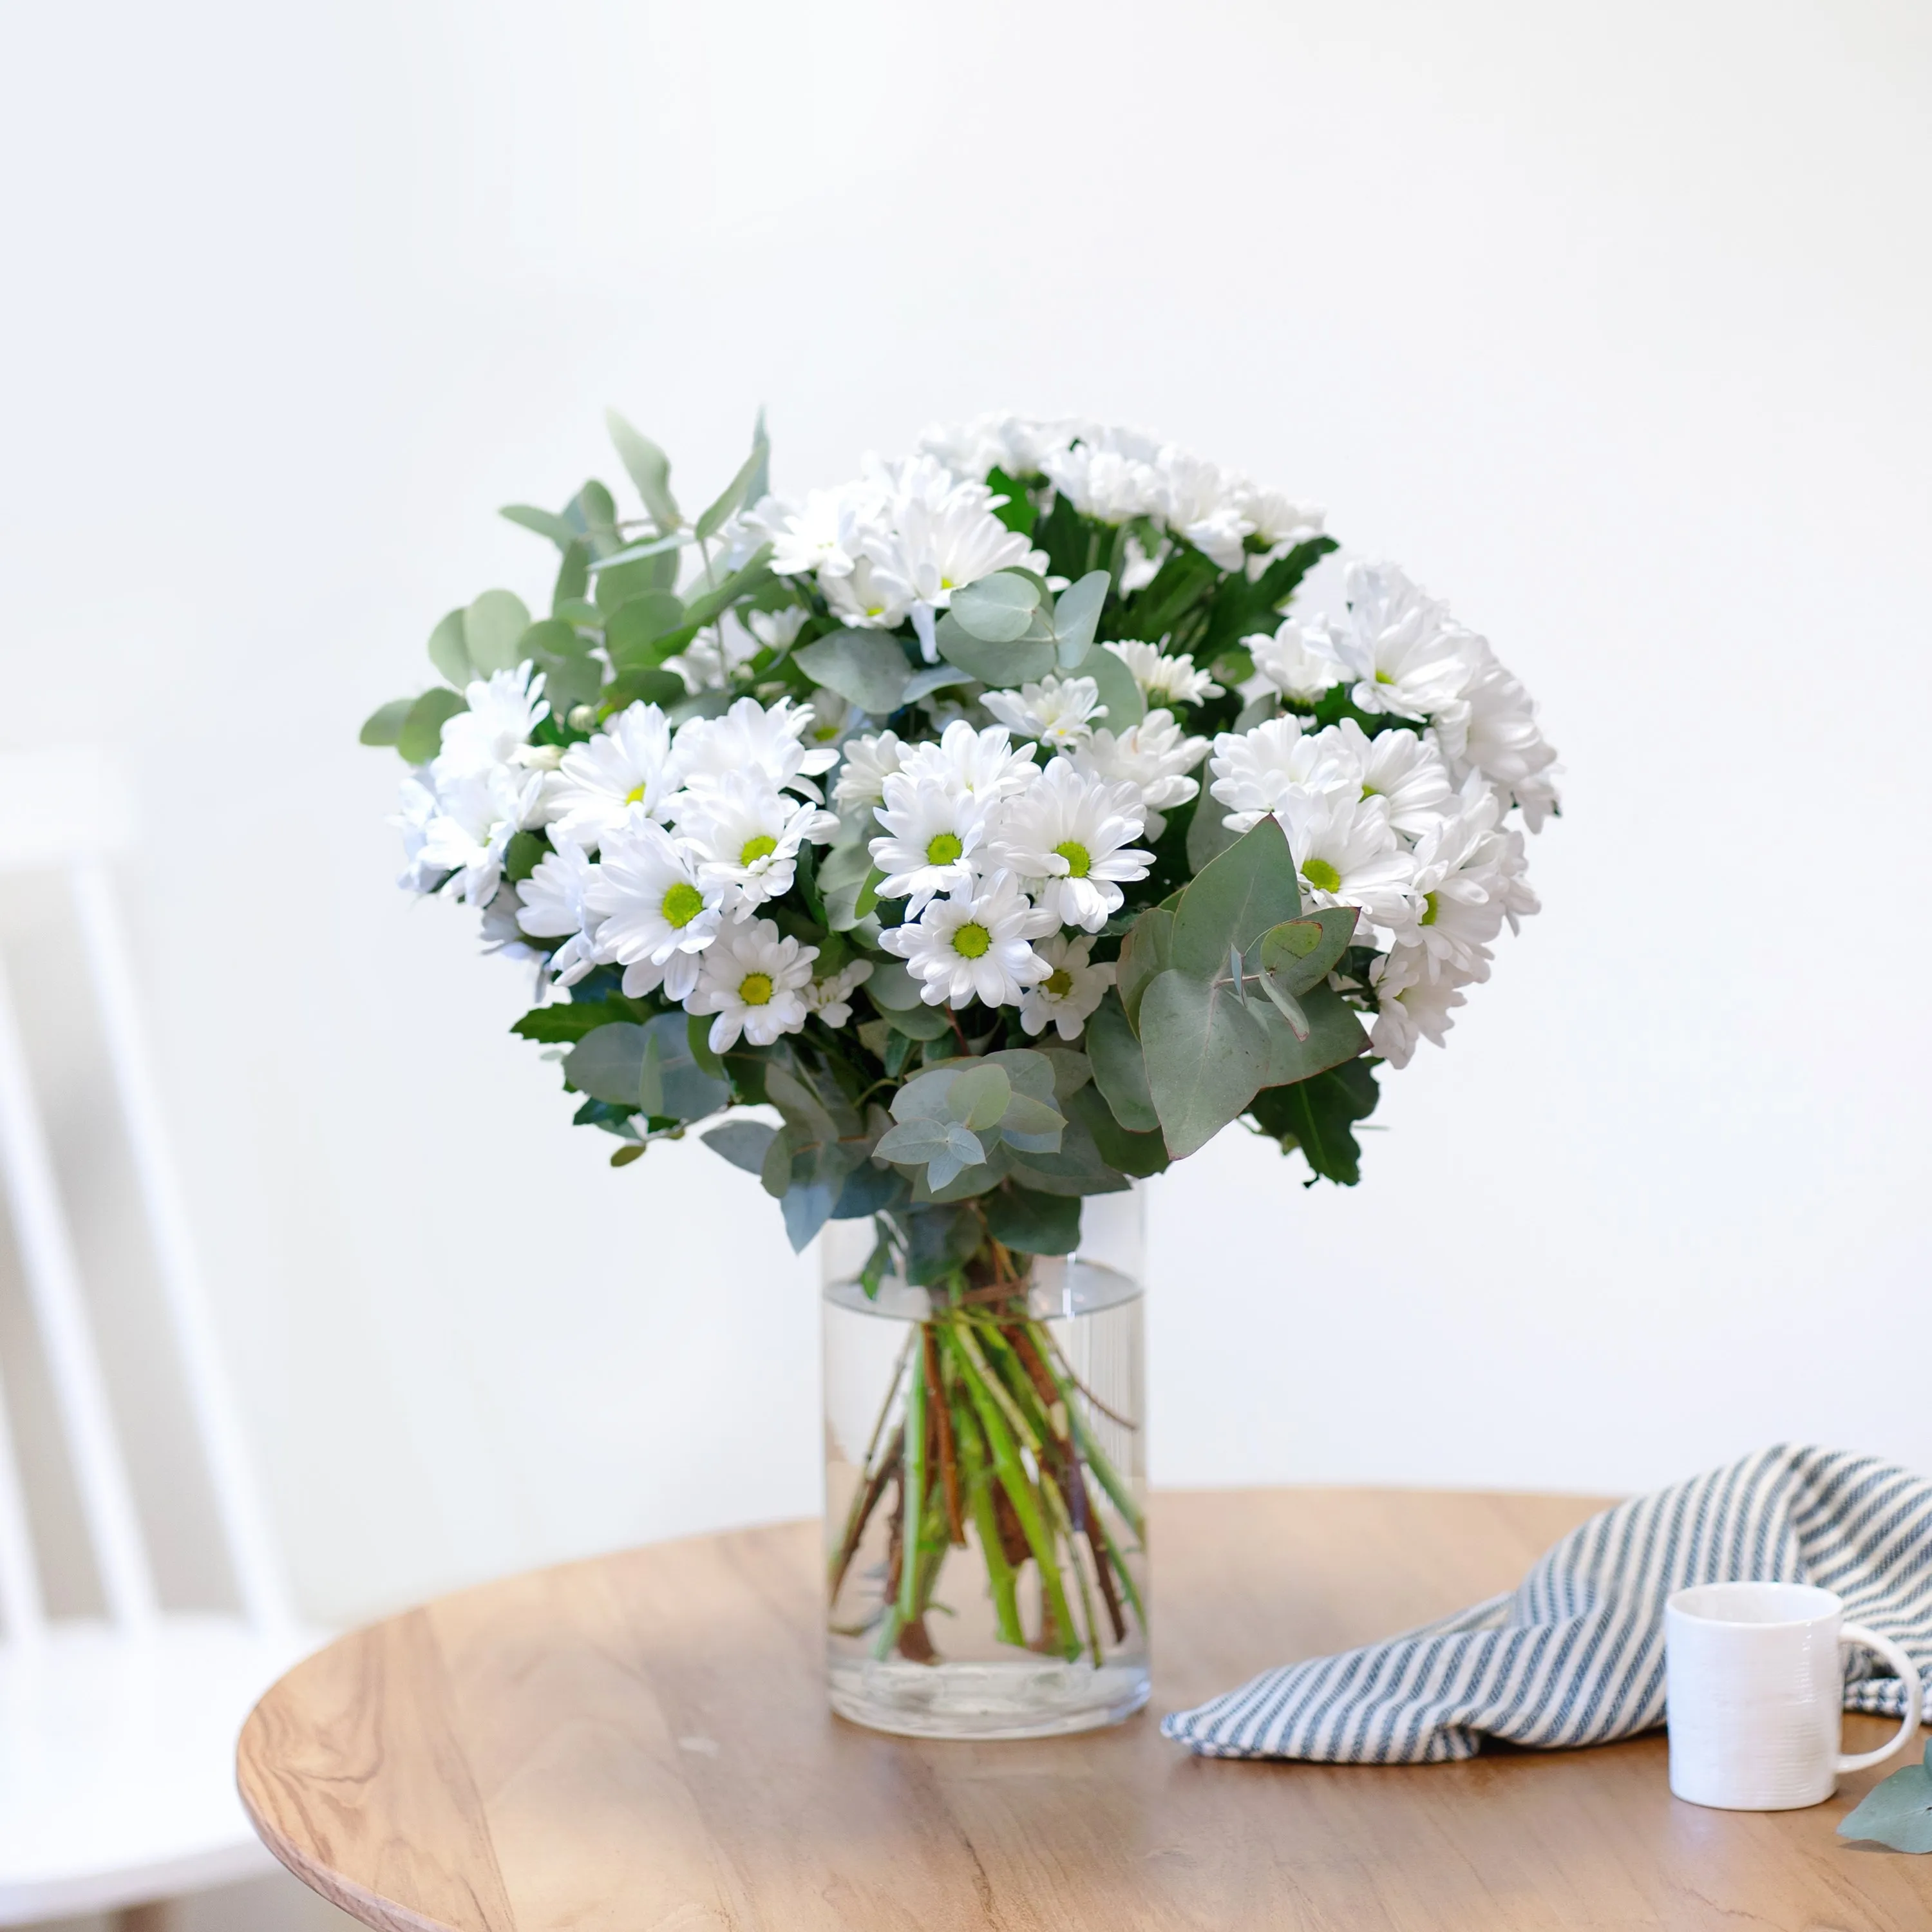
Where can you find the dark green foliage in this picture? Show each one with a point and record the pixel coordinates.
(1035, 1224)
(1317, 1116)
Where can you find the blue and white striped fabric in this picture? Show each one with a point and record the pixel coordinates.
(1575, 1654)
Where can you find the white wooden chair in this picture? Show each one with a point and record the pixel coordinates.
(117, 1734)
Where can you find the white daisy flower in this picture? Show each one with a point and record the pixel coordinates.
(1296, 661)
(505, 708)
(416, 813)
(754, 740)
(775, 629)
(869, 597)
(1405, 654)
(1164, 680)
(830, 998)
(1347, 855)
(599, 783)
(1458, 890)
(933, 834)
(745, 837)
(476, 815)
(1277, 521)
(754, 979)
(1058, 711)
(1109, 484)
(1075, 835)
(1256, 772)
(1502, 741)
(550, 904)
(1400, 767)
(868, 762)
(1155, 755)
(658, 915)
(1066, 998)
(824, 536)
(1412, 1006)
(1203, 504)
(982, 764)
(1139, 567)
(968, 947)
(1018, 444)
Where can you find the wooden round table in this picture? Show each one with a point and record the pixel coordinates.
(641, 1742)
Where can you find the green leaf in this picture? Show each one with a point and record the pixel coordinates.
(892, 988)
(745, 581)
(978, 1097)
(1017, 512)
(1299, 953)
(1897, 1812)
(636, 630)
(593, 516)
(1208, 835)
(743, 1143)
(867, 1190)
(1127, 704)
(649, 1066)
(774, 1170)
(449, 653)
(492, 627)
(1031, 1126)
(420, 737)
(1030, 1071)
(545, 523)
(1143, 952)
(384, 726)
(697, 1038)
(866, 668)
(523, 854)
(1120, 1071)
(734, 495)
(663, 689)
(996, 610)
(650, 471)
(1075, 618)
(1138, 1154)
(1233, 900)
(1317, 1115)
(919, 1022)
(1207, 1055)
(940, 1240)
(573, 577)
(944, 1148)
(564, 1025)
(999, 666)
(1077, 1168)
(1335, 1034)
(1185, 580)
(625, 1156)
(923, 1097)
(1033, 1224)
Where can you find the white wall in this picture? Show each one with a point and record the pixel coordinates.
(1609, 322)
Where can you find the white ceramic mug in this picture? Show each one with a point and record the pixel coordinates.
(1755, 1688)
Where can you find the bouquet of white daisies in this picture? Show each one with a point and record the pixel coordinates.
(988, 818)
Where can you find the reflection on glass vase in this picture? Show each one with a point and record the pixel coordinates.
(985, 1480)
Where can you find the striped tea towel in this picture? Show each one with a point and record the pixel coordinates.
(1575, 1654)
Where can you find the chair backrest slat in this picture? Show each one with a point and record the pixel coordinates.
(23, 1614)
(53, 1287)
(258, 1579)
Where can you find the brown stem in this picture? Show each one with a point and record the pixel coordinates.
(868, 1501)
(941, 1411)
(1012, 1538)
(895, 1537)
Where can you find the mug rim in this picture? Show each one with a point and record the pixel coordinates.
(1828, 1602)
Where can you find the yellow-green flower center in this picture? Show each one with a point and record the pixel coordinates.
(1428, 916)
(1079, 860)
(755, 989)
(762, 847)
(970, 941)
(944, 849)
(682, 903)
(635, 796)
(1059, 982)
(1383, 677)
(1369, 791)
(1322, 876)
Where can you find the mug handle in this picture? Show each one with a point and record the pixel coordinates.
(1908, 1674)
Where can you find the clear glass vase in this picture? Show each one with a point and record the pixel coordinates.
(985, 1481)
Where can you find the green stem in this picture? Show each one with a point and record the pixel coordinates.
(1000, 1575)
(915, 1495)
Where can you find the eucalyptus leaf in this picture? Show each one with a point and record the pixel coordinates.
(1077, 1168)
(869, 1190)
(1076, 617)
(996, 610)
(573, 577)
(1335, 1034)
(751, 577)
(449, 653)
(1126, 703)
(384, 726)
(998, 665)
(1143, 952)
(491, 628)
(1120, 1071)
(1033, 1223)
(924, 1097)
(1233, 900)
(807, 1206)
(634, 630)
(1031, 1125)
(592, 514)
(978, 1097)
(919, 1022)
(1299, 953)
(420, 737)
(1137, 1154)
(611, 1064)
(864, 667)
(892, 986)
(650, 468)
(545, 523)
(1898, 1812)
(733, 497)
(743, 1143)
(936, 677)
(1206, 1056)
(1208, 835)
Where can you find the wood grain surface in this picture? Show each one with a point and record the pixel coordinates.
(641, 1742)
